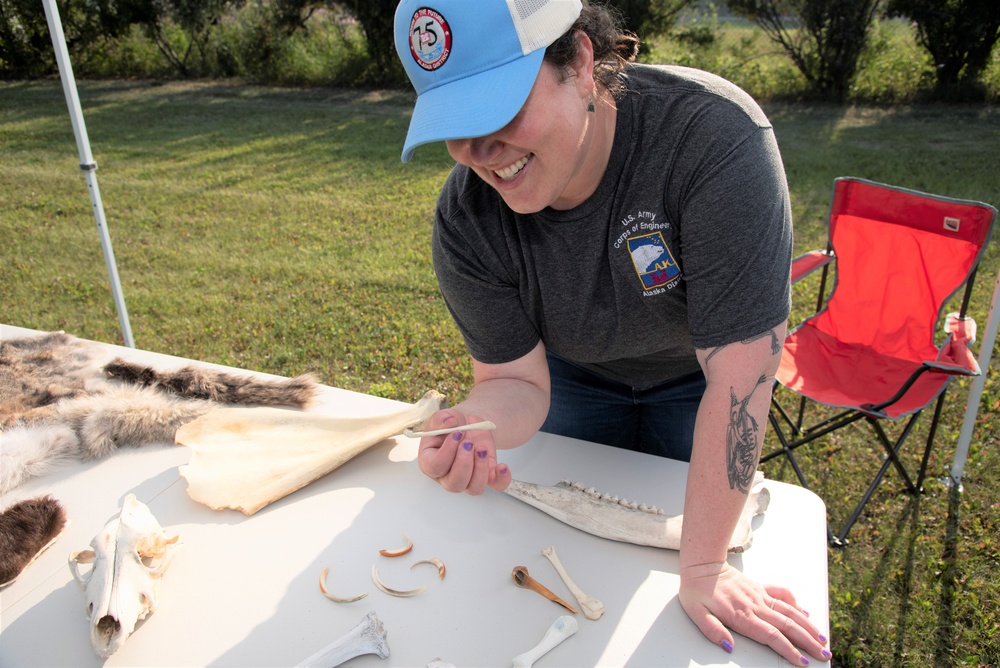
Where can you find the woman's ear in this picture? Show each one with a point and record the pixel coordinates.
(583, 66)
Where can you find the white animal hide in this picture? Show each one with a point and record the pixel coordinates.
(247, 458)
(129, 557)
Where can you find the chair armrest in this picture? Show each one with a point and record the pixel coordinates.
(809, 262)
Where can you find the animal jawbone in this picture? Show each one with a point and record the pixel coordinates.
(615, 518)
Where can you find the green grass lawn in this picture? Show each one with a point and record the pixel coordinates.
(276, 229)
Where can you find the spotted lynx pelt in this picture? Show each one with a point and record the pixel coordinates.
(62, 398)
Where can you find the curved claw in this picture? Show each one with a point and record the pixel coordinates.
(435, 562)
(336, 599)
(400, 552)
(394, 592)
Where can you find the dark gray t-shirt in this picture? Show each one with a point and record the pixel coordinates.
(686, 242)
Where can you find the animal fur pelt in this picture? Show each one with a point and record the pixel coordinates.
(62, 398)
(26, 529)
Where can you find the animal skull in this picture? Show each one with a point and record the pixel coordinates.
(122, 587)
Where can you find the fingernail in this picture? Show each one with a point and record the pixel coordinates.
(502, 470)
(826, 654)
(726, 645)
(822, 638)
(805, 612)
(481, 454)
(804, 660)
(467, 446)
(457, 435)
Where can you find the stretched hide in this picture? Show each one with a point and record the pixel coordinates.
(247, 458)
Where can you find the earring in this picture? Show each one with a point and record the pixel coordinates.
(590, 104)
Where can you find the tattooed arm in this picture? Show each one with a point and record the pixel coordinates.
(728, 435)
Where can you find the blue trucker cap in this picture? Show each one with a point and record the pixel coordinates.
(473, 62)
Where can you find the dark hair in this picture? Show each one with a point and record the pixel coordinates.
(614, 48)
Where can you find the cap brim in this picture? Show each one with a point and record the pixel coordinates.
(474, 106)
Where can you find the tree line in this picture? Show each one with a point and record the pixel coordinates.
(823, 38)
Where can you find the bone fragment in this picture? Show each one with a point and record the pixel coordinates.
(605, 516)
(129, 557)
(521, 578)
(485, 425)
(246, 458)
(368, 637)
(561, 629)
(335, 599)
(592, 608)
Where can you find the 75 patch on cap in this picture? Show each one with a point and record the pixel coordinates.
(430, 39)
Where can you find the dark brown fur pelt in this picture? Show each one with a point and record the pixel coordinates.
(199, 383)
(26, 529)
(62, 398)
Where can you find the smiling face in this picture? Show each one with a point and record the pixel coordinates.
(554, 152)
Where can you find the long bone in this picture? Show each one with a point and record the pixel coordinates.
(246, 458)
(592, 608)
(561, 629)
(129, 557)
(368, 637)
(617, 519)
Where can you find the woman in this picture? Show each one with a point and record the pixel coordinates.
(614, 245)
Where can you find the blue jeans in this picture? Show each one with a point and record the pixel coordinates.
(658, 420)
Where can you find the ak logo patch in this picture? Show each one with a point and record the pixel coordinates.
(652, 259)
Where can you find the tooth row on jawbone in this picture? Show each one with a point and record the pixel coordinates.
(614, 518)
(590, 491)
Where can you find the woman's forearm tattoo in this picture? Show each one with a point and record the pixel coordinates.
(743, 433)
(741, 441)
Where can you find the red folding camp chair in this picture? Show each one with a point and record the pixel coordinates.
(900, 256)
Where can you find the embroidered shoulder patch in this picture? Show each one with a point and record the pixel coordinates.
(652, 259)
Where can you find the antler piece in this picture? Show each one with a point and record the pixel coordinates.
(368, 637)
(561, 629)
(592, 608)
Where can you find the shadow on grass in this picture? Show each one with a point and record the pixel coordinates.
(943, 647)
(867, 615)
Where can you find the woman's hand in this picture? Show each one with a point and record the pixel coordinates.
(718, 597)
(461, 461)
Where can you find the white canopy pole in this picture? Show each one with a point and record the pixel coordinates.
(87, 163)
(976, 393)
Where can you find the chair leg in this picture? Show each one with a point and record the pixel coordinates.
(892, 451)
(785, 449)
(892, 458)
(930, 442)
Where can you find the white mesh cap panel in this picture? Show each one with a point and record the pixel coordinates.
(541, 22)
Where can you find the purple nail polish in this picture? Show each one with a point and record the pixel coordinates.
(502, 470)
(826, 654)
(457, 436)
(726, 645)
(467, 446)
(804, 660)
(822, 638)
(481, 454)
